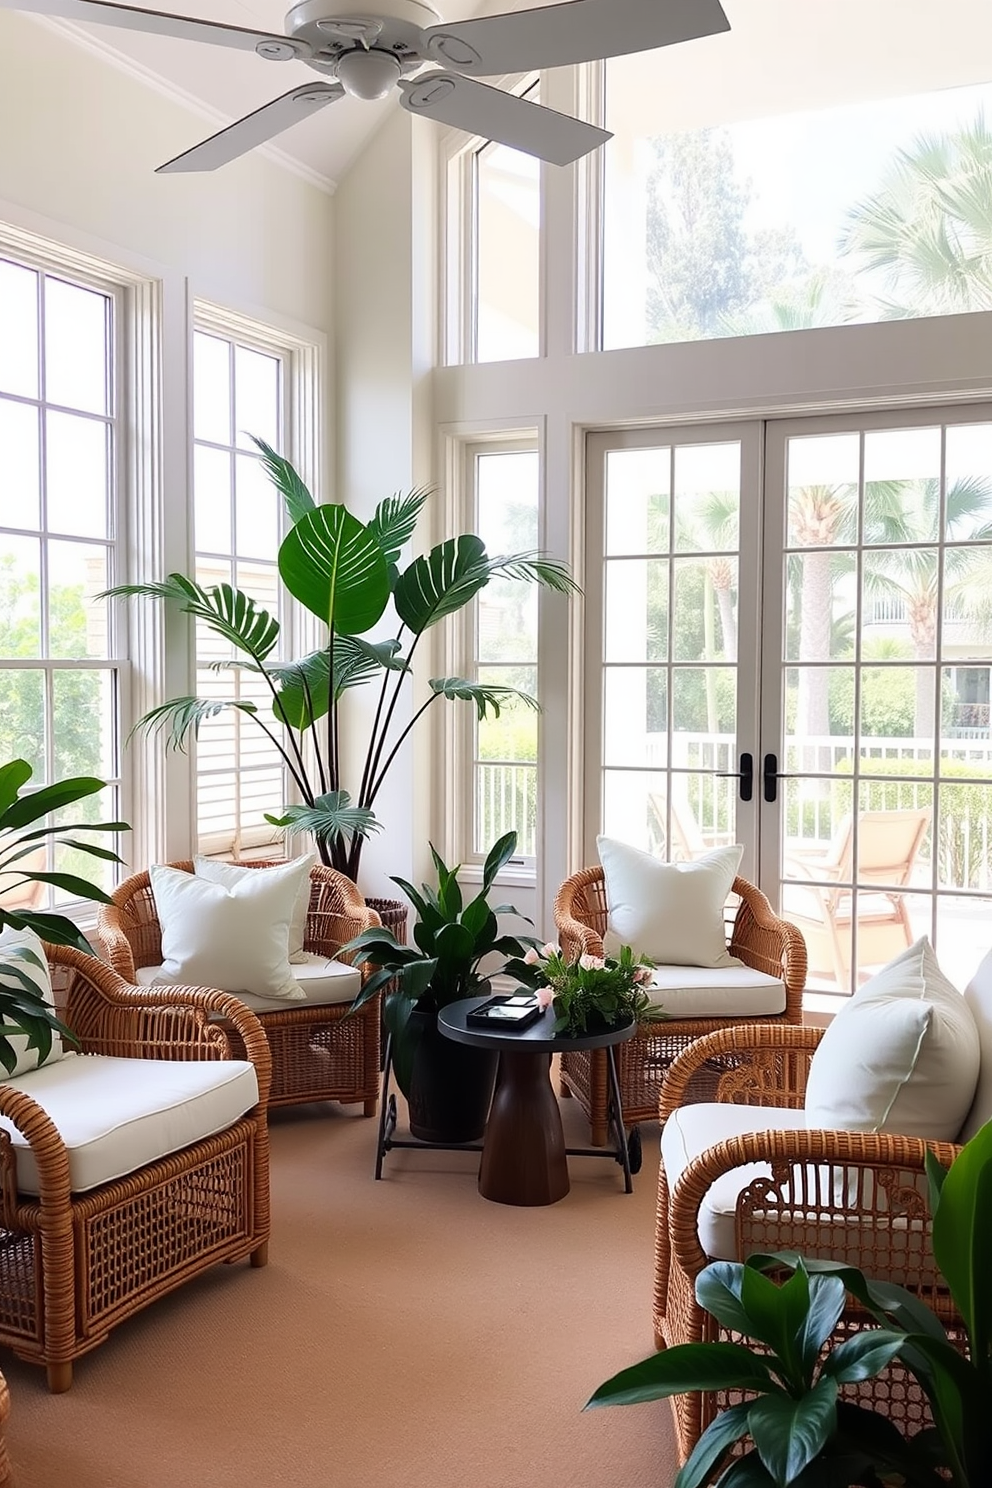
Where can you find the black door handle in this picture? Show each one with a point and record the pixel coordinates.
(769, 775)
(745, 775)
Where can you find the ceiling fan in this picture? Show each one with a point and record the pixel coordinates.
(366, 53)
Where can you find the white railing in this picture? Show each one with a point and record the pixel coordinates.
(507, 793)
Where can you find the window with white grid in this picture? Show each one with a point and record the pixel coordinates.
(238, 391)
(60, 676)
(504, 756)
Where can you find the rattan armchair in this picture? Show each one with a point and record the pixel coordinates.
(317, 1053)
(851, 1196)
(756, 936)
(75, 1264)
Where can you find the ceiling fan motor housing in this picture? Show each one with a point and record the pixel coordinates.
(394, 28)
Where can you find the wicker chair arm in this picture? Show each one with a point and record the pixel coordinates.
(794, 1042)
(765, 942)
(110, 1016)
(883, 1152)
(114, 943)
(575, 937)
(48, 1150)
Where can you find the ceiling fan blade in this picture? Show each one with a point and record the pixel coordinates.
(160, 23)
(479, 109)
(254, 129)
(574, 31)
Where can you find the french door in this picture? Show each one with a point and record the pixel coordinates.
(794, 627)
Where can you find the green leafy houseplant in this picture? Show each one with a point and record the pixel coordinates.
(590, 993)
(801, 1433)
(345, 572)
(452, 938)
(22, 1009)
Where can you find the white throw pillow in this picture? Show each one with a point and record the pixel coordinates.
(26, 940)
(670, 912)
(236, 939)
(902, 1055)
(229, 874)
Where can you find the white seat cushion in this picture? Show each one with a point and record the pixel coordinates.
(978, 997)
(321, 982)
(117, 1115)
(689, 1131)
(715, 992)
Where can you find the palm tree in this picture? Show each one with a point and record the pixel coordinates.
(927, 230)
(910, 514)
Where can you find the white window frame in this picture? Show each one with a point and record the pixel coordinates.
(459, 236)
(300, 442)
(455, 779)
(134, 385)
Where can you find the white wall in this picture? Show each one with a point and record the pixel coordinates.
(384, 322)
(79, 143)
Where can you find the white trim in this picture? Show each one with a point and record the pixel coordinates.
(105, 51)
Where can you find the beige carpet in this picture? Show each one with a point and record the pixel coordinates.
(405, 1334)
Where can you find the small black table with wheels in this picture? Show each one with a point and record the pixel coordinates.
(523, 1151)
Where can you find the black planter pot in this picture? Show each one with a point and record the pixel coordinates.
(451, 1085)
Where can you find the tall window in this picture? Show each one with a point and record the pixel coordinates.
(59, 676)
(494, 268)
(238, 391)
(718, 223)
(504, 757)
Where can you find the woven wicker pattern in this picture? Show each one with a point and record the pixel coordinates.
(848, 1195)
(74, 1265)
(755, 936)
(317, 1053)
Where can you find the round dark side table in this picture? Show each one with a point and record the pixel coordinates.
(524, 1157)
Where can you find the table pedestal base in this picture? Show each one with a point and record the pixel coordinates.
(523, 1152)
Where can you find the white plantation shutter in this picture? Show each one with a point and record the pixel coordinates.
(240, 775)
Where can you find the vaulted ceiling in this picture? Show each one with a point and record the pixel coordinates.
(819, 53)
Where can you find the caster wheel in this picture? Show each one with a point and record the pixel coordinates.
(634, 1152)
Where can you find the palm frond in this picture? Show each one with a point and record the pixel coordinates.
(287, 482)
(182, 716)
(331, 815)
(228, 612)
(395, 519)
(486, 697)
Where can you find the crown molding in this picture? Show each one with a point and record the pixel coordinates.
(81, 37)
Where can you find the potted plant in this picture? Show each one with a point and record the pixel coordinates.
(346, 573)
(800, 1432)
(23, 1009)
(448, 1086)
(591, 993)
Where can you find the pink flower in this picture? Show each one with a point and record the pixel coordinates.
(531, 957)
(549, 950)
(643, 975)
(591, 963)
(545, 997)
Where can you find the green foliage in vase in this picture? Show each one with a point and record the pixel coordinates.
(590, 993)
(457, 948)
(346, 573)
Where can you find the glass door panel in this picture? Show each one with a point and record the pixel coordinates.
(877, 640)
(671, 591)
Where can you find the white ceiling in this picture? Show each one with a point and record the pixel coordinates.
(778, 54)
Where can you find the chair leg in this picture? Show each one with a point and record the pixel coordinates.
(59, 1377)
(371, 1106)
(260, 1255)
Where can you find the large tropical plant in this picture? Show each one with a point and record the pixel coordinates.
(455, 943)
(800, 1433)
(346, 573)
(25, 828)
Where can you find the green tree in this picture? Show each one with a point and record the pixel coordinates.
(704, 263)
(927, 230)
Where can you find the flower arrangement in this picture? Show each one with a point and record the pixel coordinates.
(590, 993)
